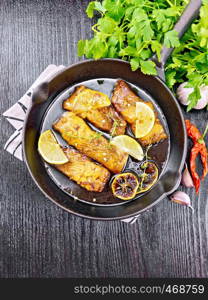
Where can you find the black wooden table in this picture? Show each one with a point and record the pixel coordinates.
(38, 239)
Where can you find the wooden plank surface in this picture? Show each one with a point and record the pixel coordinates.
(38, 239)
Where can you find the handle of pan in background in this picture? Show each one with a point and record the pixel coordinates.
(189, 14)
(40, 93)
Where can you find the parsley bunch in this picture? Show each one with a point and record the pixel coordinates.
(189, 62)
(135, 30)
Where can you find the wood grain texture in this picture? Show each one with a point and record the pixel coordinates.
(39, 239)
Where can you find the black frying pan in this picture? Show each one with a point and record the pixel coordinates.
(46, 107)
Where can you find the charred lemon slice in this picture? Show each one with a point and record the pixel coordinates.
(124, 186)
(148, 176)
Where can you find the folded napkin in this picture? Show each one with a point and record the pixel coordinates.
(16, 115)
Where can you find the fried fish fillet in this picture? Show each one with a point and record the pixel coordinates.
(77, 133)
(84, 171)
(124, 100)
(105, 118)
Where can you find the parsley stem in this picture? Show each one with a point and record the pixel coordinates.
(201, 139)
(93, 28)
(205, 131)
(142, 47)
(147, 6)
(171, 4)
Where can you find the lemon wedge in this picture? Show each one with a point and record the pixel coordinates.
(50, 150)
(145, 119)
(89, 99)
(128, 145)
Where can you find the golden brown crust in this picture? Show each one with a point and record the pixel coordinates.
(68, 104)
(156, 135)
(124, 100)
(78, 134)
(105, 118)
(84, 171)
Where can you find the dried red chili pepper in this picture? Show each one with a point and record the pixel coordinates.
(204, 158)
(198, 148)
(204, 153)
(192, 131)
(194, 153)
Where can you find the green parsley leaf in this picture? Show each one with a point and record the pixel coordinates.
(112, 52)
(167, 25)
(148, 33)
(148, 67)
(160, 17)
(193, 98)
(106, 25)
(172, 11)
(156, 48)
(171, 39)
(134, 62)
(170, 78)
(98, 48)
(115, 9)
(129, 51)
(113, 40)
(94, 5)
(81, 47)
(134, 30)
(145, 54)
(139, 15)
(195, 79)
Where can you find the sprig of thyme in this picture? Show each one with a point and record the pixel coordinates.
(144, 166)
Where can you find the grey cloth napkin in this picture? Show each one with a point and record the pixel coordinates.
(15, 115)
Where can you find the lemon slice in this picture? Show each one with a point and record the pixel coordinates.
(50, 150)
(128, 145)
(149, 178)
(124, 186)
(145, 119)
(89, 99)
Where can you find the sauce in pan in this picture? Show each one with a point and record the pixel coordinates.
(158, 153)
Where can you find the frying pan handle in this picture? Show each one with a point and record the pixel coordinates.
(189, 14)
(40, 93)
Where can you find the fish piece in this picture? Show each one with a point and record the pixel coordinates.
(88, 174)
(124, 100)
(77, 133)
(84, 99)
(156, 135)
(105, 118)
